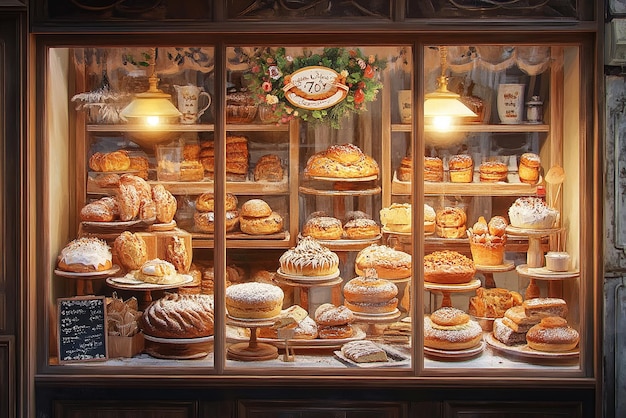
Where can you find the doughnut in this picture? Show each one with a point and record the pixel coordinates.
(254, 300)
(323, 228)
(552, 334)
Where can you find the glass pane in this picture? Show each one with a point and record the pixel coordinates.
(504, 257)
(307, 9)
(121, 197)
(316, 130)
(480, 9)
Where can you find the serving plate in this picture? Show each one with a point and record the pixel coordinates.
(237, 334)
(524, 350)
(455, 354)
(88, 275)
(394, 359)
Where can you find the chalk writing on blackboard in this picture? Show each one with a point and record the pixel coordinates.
(82, 328)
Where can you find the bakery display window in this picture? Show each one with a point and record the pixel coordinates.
(253, 210)
(502, 262)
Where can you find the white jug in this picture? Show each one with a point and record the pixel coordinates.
(188, 98)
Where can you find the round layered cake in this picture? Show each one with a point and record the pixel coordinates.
(370, 295)
(179, 316)
(552, 334)
(451, 329)
(309, 258)
(388, 262)
(532, 213)
(448, 267)
(254, 300)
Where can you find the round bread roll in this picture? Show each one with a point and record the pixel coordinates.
(131, 250)
(361, 229)
(329, 315)
(97, 211)
(341, 161)
(110, 161)
(323, 228)
(264, 225)
(254, 300)
(206, 202)
(354, 214)
(345, 153)
(255, 208)
(552, 334)
(205, 221)
(85, 255)
(397, 217)
(451, 329)
(179, 316)
(388, 262)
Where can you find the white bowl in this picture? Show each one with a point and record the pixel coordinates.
(557, 261)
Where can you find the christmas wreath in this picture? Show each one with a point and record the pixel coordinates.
(271, 69)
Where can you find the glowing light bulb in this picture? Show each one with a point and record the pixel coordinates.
(152, 120)
(442, 123)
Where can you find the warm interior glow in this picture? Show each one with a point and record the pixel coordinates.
(442, 123)
(152, 120)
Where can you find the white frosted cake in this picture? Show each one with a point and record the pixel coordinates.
(532, 213)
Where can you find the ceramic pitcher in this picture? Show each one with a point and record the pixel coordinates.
(188, 98)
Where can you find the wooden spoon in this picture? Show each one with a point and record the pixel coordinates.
(555, 177)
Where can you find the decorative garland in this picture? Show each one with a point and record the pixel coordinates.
(271, 69)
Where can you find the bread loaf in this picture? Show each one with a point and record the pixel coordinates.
(179, 316)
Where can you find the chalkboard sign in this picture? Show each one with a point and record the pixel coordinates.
(82, 328)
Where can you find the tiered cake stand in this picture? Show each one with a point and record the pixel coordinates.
(534, 256)
(447, 289)
(84, 281)
(305, 283)
(488, 271)
(146, 288)
(251, 350)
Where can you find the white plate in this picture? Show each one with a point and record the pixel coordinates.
(88, 275)
(394, 359)
(303, 279)
(523, 350)
(455, 354)
(234, 334)
(178, 340)
(129, 282)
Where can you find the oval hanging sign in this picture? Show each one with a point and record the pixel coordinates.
(314, 88)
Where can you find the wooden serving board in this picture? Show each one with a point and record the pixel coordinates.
(157, 242)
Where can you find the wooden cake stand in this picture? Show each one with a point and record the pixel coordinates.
(447, 289)
(541, 273)
(148, 288)
(488, 271)
(251, 350)
(84, 284)
(373, 319)
(305, 283)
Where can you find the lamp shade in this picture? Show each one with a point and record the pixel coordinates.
(445, 103)
(151, 108)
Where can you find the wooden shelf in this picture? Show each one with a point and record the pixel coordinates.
(524, 127)
(249, 188)
(188, 128)
(513, 187)
(237, 241)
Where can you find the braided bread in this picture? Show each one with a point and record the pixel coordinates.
(179, 316)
